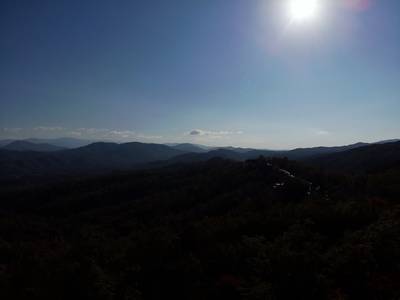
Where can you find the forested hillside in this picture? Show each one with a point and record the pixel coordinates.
(260, 229)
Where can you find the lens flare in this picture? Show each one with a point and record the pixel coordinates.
(302, 10)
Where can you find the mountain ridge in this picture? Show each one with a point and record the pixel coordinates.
(108, 156)
(24, 145)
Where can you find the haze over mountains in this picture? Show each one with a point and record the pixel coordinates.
(62, 142)
(29, 146)
(31, 158)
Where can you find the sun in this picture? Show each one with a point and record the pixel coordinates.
(303, 10)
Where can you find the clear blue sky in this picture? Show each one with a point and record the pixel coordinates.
(218, 72)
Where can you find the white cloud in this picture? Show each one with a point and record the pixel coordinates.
(200, 132)
(196, 132)
(85, 133)
(48, 128)
(12, 130)
(111, 134)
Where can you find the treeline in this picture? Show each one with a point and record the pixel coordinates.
(260, 229)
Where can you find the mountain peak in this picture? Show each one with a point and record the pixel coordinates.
(22, 145)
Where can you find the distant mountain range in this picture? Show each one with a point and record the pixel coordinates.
(64, 142)
(29, 146)
(26, 158)
(363, 159)
(330, 157)
(5, 142)
(187, 147)
(96, 157)
(71, 143)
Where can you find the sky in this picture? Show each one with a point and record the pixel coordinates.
(215, 72)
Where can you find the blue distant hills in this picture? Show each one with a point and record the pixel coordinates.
(66, 156)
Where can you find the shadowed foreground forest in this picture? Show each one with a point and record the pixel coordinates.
(259, 229)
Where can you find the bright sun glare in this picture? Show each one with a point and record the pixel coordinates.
(302, 10)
